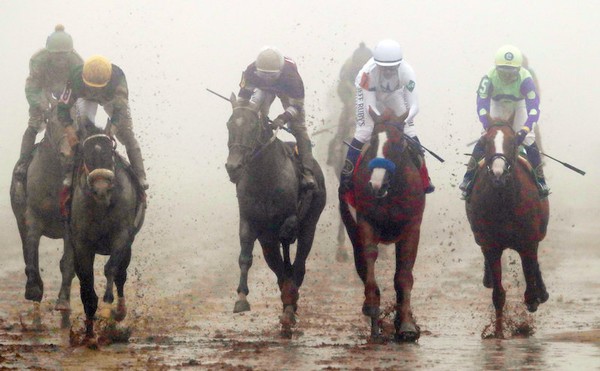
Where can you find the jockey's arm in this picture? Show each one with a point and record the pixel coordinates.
(484, 94)
(532, 102)
(364, 121)
(33, 84)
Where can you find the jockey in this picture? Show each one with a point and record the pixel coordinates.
(385, 82)
(509, 89)
(100, 82)
(278, 76)
(346, 92)
(48, 73)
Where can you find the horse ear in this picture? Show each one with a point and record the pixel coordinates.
(374, 115)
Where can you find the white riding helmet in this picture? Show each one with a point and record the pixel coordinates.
(269, 60)
(388, 53)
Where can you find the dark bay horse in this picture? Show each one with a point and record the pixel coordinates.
(107, 211)
(505, 211)
(386, 207)
(35, 204)
(273, 208)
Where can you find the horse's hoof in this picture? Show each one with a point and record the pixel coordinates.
(371, 311)
(377, 339)
(118, 315)
(105, 313)
(91, 343)
(62, 305)
(241, 306)
(408, 332)
(286, 333)
(33, 292)
(533, 306)
(288, 318)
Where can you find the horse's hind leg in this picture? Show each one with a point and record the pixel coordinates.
(67, 270)
(247, 238)
(492, 257)
(535, 292)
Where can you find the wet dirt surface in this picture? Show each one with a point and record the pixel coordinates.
(182, 318)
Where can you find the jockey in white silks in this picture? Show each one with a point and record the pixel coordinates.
(385, 83)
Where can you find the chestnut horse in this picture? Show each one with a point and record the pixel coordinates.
(386, 206)
(506, 211)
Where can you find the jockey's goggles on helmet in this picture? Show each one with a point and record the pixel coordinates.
(268, 75)
(507, 73)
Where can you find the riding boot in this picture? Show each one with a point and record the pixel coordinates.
(305, 153)
(64, 196)
(428, 186)
(467, 184)
(533, 155)
(137, 163)
(346, 183)
(27, 144)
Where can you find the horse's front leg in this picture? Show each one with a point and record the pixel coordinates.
(406, 254)
(115, 271)
(369, 252)
(34, 288)
(535, 292)
(247, 237)
(84, 268)
(67, 270)
(492, 257)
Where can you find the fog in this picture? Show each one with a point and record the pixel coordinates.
(172, 53)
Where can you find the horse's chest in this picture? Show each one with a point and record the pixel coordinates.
(261, 208)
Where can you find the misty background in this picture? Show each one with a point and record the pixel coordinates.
(172, 51)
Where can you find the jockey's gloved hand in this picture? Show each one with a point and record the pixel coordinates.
(521, 134)
(282, 119)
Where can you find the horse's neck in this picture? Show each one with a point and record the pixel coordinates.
(271, 166)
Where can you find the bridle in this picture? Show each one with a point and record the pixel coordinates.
(257, 146)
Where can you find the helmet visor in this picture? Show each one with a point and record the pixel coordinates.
(268, 76)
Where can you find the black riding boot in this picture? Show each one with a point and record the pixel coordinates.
(467, 184)
(533, 155)
(137, 163)
(305, 153)
(27, 144)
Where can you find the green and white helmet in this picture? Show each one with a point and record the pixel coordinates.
(59, 40)
(509, 55)
(269, 60)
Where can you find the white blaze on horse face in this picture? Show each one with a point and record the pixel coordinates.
(499, 163)
(378, 174)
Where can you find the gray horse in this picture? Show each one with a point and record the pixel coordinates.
(35, 203)
(273, 208)
(107, 211)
